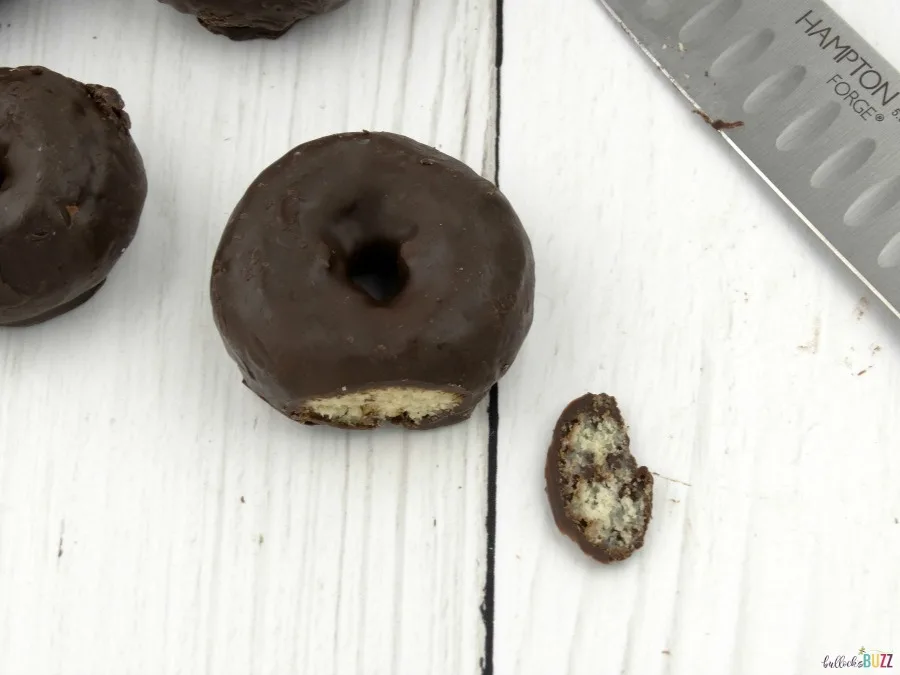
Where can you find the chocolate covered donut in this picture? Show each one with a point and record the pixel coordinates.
(72, 187)
(366, 278)
(249, 19)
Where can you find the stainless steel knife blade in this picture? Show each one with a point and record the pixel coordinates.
(805, 100)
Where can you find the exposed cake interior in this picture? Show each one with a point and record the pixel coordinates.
(372, 406)
(604, 492)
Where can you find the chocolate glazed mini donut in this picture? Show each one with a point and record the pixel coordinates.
(249, 19)
(366, 278)
(72, 188)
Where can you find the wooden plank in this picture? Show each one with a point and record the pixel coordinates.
(154, 515)
(761, 381)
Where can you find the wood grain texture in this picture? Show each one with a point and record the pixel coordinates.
(155, 516)
(760, 380)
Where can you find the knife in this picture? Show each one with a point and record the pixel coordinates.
(801, 97)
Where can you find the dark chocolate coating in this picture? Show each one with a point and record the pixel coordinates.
(72, 188)
(300, 329)
(249, 19)
(595, 406)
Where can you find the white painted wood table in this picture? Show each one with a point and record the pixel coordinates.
(156, 517)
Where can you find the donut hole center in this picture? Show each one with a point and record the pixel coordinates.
(378, 270)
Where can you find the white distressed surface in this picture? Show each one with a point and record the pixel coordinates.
(671, 278)
(155, 516)
(668, 276)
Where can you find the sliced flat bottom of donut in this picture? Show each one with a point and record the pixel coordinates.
(370, 407)
(236, 32)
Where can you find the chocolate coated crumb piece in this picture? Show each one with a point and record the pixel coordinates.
(717, 124)
(600, 498)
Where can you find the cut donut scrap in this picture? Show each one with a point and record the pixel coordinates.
(600, 497)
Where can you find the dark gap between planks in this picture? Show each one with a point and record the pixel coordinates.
(487, 605)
